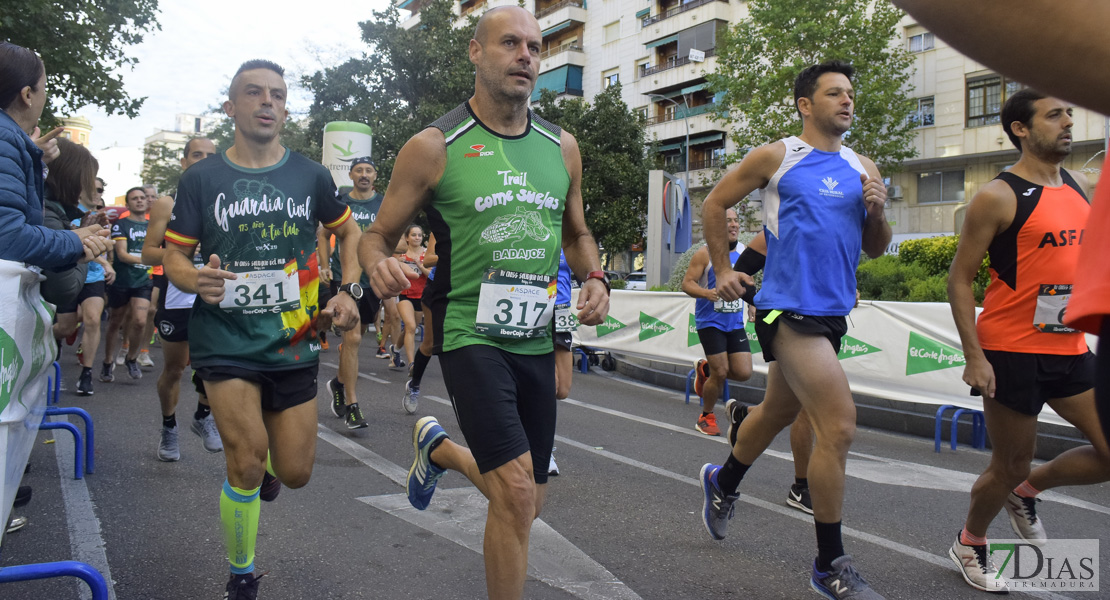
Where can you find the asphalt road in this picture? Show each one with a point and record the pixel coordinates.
(621, 521)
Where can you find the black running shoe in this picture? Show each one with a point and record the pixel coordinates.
(270, 489)
(242, 587)
(107, 374)
(735, 412)
(338, 398)
(798, 497)
(354, 417)
(84, 383)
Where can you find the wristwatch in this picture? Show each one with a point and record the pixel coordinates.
(602, 276)
(354, 289)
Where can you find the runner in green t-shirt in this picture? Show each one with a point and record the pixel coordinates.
(129, 294)
(252, 334)
(501, 188)
(364, 202)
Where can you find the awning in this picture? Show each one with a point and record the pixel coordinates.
(695, 88)
(706, 138)
(560, 81)
(643, 13)
(661, 41)
(556, 28)
(669, 147)
(405, 4)
(668, 95)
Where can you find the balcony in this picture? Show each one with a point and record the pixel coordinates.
(680, 114)
(559, 50)
(543, 12)
(674, 62)
(563, 16)
(678, 10)
(567, 54)
(679, 73)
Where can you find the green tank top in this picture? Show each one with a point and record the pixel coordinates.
(497, 216)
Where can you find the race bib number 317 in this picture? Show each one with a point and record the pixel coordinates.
(515, 305)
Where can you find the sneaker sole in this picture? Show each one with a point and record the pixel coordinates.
(698, 427)
(416, 450)
(791, 502)
(168, 459)
(1015, 525)
(960, 568)
(82, 393)
(705, 502)
(362, 426)
(817, 588)
(331, 392)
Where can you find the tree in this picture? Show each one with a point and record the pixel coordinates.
(761, 55)
(83, 44)
(407, 79)
(162, 167)
(614, 163)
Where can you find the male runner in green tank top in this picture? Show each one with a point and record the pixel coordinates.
(501, 188)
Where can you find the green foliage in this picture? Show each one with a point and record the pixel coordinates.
(407, 79)
(888, 278)
(760, 56)
(83, 44)
(680, 266)
(936, 254)
(614, 167)
(618, 284)
(162, 167)
(918, 274)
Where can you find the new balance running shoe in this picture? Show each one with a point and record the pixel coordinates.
(1023, 518)
(842, 582)
(423, 474)
(976, 567)
(338, 398)
(701, 373)
(707, 424)
(717, 507)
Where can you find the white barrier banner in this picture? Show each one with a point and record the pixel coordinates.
(27, 349)
(904, 351)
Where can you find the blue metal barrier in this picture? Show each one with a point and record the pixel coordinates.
(978, 427)
(90, 439)
(54, 385)
(690, 381)
(65, 568)
(79, 446)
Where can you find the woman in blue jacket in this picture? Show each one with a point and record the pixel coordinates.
(23, 238)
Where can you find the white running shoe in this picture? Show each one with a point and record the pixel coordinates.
(1023, 518)
(145, 361)
(977, 568)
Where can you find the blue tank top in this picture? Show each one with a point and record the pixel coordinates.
(704, 313)
(96, 271)
(813, 216)
(562, 287)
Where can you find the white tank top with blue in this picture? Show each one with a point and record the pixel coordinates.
(726, 316)
(813, 216)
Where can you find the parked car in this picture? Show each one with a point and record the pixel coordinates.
(636, 281)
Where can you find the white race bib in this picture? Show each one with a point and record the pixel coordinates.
(514, 305)
(275, 290)
(565, 321)
(1052, 300)
(723, 306)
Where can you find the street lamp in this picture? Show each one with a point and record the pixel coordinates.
(686, 150)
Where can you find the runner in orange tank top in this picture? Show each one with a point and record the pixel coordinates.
(1020, 355)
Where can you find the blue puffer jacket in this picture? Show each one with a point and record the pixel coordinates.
(23, 238)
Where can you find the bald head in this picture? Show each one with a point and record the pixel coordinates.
(495, 16)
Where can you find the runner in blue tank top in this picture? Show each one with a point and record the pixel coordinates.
(822, 204)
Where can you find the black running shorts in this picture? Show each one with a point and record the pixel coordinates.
(832, 328)
(280, 389)
(89, 290)
(172, 323)
(505, 404)
(121, 296)
(1024, 382)
(564, 340)
(715, 341)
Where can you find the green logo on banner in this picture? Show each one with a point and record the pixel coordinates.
(753, 339)
(692, 338)
(851, 347)
(11, 364)
(609, 326)
(651, 327)
(924, 355)
(39, 345)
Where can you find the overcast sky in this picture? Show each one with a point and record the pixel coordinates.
(186, 67)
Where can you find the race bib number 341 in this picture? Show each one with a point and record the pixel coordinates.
(515, 305)
(275, 290)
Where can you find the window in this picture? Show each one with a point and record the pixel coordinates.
(196, 125)
(921, 42)
(642, 65)
(923, 116)
(985, 96)
(611, 32)
(642, 111)
(610, 79)
(669, 111)
(940, 186)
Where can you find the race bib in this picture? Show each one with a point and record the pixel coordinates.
(276, 290)
(565, 321)
(1052, 300)
(724, 306)
(514, 305)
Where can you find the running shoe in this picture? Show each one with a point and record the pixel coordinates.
(976, 567)
(107, 372)
(22, 496)
(15, 524)
(381, 353)
(707, 424)
(423, 474)
(209, 435)
(338, 398)
(80, 349)
(133, 370)
(410, 401)
(354, 418)
(552, 468)
(120, 356)
(717, 508)
(84, 383)
(1024, 519)
(270, 488)
(798, 497)
(735, 413)
(842, 582)
(701, 373)
(242, 587)
(71, 338)
(144, 360)
(168, 450)
(395, 361)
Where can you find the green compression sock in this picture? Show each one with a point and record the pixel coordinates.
(239, 513)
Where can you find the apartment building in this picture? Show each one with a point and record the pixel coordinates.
(660, 50)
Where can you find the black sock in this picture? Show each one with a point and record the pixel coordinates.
(418, 365)
(170, 421)
(202, 411)
(705, 414)
(435, 444)
(829, 544)
(801, 482)
(730, 475)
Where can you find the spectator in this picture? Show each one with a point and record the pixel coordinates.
(72, 177)
(23, 237)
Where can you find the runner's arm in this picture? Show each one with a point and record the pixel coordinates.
(431, 259)
(348, 237)
(122, 255)
(1070, 37)
(578, 243)
(690, 282)
(323, 253)
(156, 231)
(876, 229)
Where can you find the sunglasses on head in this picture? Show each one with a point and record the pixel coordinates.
(100, 190)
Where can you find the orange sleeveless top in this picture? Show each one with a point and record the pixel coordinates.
(1033, 266)
(1090, 303)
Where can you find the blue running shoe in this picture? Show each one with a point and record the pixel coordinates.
(717, 508)
(423, 475)
(842, 582)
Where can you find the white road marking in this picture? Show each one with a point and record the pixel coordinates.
(369, 376)
(85, 540)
